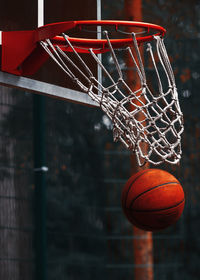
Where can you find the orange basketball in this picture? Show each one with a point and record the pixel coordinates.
(153, 199)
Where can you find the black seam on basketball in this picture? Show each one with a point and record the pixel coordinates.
(131, 183)
(151, 190)
(154, 210)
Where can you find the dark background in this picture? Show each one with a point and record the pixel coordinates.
(87, 234)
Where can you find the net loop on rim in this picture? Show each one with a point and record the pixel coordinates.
(148, 122)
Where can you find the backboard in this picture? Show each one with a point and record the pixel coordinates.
(48, 80)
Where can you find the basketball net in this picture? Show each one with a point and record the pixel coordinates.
(145, 116)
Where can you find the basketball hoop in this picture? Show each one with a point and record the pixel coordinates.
(142, 117)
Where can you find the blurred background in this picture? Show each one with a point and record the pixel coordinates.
(67, 223)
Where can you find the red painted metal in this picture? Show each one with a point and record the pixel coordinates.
(102, 44)
(23, 55)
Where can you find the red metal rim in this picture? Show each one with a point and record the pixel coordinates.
(118, 23)
(100, 45)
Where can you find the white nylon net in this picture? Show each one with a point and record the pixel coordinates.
(148, 122)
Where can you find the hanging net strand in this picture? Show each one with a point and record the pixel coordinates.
(148, 122)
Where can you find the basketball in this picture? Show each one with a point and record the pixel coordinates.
(153, 199)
